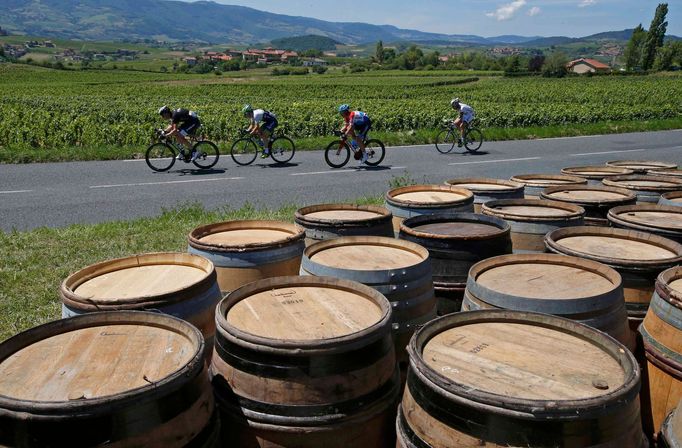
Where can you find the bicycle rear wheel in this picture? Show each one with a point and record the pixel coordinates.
(446, 140)
(282, 149)
(473, 140)
(160, 157)
(337, 154)
(208, 154)
(375, 152)
(244, 151)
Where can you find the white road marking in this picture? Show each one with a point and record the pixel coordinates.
(141, 184)
(495, 161)
(609, 152)
(344, 170)
(15, 191)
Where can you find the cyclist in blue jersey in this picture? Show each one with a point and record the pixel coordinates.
(261, 123)
(356, 125)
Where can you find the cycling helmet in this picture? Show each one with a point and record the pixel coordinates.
(164, 110)
(344, 108)
(455, 103)
(247, 109)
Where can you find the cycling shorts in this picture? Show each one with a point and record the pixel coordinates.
(189, 127)
(269, 124)
(361, 126)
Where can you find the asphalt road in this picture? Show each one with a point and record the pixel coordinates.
(59, 194)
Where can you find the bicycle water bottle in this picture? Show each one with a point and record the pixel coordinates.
(354, 144)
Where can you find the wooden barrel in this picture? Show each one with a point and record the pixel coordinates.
(642, 166)
(647, 188)
(671, 430)
(535, 183)
(499, 378)
(486, 189)
(246, 251)
(417, 200)
(399, 270)
(328, 221)
(582, 290)
(305, 362)
(532, 219)
(637, 256)
(182, 285)
(662, 220)
(662, 338)
(596, 173)
(672, 199)
(457, 241)
(672, 172)
(449, 298)
(119, 379)
(596, 200)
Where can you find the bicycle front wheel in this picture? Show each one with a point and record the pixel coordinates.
(473, 140)
(446, 140)
(208, 154)
(160, 157)
(337, 154)
(282, 149)
(375, 152)
(244, 151)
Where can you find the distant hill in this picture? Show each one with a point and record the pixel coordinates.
(303, 43)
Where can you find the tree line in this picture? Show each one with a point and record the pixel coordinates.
(648, 50)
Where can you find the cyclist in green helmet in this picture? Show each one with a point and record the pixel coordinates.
(261, 123)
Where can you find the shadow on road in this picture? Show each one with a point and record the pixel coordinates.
(374, 168)
(198, 172)
(278, 165)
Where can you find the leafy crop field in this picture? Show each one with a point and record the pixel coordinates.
(43, 108)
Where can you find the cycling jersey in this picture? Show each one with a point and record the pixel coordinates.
(260, 115)
(467, 112)
(360, 122)
(356, 116)
(187, 120)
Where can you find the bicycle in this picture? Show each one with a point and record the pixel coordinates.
(161, 156)
(338, 152)
(245, 149)
(448, 138)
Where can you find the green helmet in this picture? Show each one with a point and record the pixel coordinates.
(247, 109)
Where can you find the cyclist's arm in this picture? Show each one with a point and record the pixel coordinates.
(171, 128)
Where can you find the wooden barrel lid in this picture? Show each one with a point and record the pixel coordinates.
(673, 172)
(245, 235)
(455, 226)
(544, 276)
(588, 195)
(339, 213)
(615, 247)
(367, 253)
(547, 180)
(645, 183)
(515, 361)
(648, 216)
(671, 430)
(641, 166)
(532, 210)
(291, 311)
(669, 285)
(484, 184)
(428, 196)
(137, 279)
(597, 172)
(87, 358)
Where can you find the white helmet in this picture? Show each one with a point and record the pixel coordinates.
(164, 110)
(454, 103)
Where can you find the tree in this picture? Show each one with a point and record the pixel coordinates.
(665, 57)
(535, 63)
(379, 54)
(655, 36)
(633, 50)
(513, 65)
(555, 65)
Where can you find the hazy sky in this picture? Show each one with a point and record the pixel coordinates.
(487, 18)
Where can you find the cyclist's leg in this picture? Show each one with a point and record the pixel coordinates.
(362, 133)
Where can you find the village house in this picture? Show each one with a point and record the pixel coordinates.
(585, 65)
(314, 62)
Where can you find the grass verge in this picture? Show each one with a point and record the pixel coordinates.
(416, 137)
(34, 263)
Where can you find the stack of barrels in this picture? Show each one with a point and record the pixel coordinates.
(273, 334)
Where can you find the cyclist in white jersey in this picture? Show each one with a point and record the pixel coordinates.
(464, 119)
(261, 123)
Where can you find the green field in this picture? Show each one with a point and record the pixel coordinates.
(43, 109)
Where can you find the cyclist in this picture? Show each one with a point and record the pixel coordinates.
(356, 125)
(184, 123)
(466, 116)
(263, 124)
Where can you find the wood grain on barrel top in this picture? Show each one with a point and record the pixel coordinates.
(544, 281)
(533, 210)
(428, 197)
(634, 183)
(140, 281)
(94, 362)
(239, 237)
(587, 195)
(676, 285)
(304, 313)
(475, 186)
(523, 361)
(459, 229)
(596, 172)
(541, 181)
(366, 257)
(342, 215)
(663, 220)
(616, 247)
